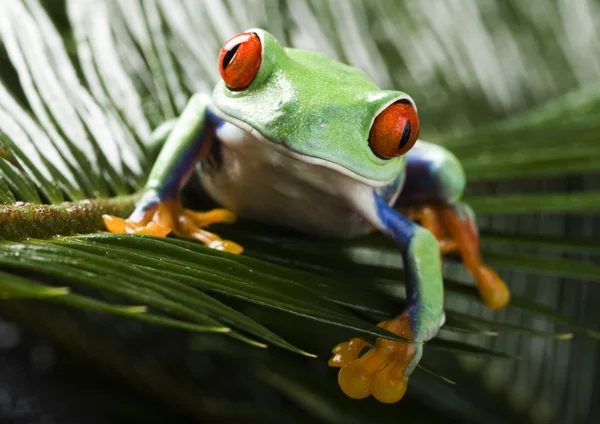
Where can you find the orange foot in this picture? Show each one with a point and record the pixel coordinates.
(169, 216)
(457, 233)
(381, 371)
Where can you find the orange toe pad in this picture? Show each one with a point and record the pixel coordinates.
(492, 289)
(114, 224)
(379, 372)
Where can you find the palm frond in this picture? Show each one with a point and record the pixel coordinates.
(75, 143)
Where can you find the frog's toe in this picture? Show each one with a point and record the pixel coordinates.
(226, 246)
(189, 225)
(380, 372)
(114, 224)
(214, 216)
(208, 239)
(347, 352)
(389, 384)
(151, 229)
(492, 289)
(355, 378)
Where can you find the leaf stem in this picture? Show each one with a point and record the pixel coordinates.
(21, 220)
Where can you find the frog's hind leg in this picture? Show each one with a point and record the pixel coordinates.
(434, 185)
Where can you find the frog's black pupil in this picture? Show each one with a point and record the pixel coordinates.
(229, 55)
(405, 136)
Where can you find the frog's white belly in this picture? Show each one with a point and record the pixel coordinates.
(261, 183)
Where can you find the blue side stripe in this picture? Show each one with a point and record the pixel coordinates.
(187, 161)
(215, 121)
(398, 227)
(402, 231)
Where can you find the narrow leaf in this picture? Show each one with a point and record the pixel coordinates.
(19, 184)
(466, 349)
(561, 244)
(572, 202)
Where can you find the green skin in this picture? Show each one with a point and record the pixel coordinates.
(298, 91)
(317, 111)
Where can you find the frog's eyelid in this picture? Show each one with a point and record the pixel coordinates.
(402, 98)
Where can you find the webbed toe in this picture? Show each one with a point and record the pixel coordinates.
(170, 216)
(382, 371)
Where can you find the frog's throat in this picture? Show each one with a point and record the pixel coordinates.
(285, 150)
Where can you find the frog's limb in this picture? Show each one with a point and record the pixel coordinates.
(159, 137)
(434, 184)
(429, 218)
(384, 370)
(159, 211)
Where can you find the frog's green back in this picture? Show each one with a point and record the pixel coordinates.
(315, 106)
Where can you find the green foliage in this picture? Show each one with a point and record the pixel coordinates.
(84, 86)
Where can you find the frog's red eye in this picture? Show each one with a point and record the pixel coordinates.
(239, 60)
(394, 131)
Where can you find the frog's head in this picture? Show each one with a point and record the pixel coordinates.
(325, 112)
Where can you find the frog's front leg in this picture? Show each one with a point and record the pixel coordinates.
(159, 211)
(431, 195)
(384, 370)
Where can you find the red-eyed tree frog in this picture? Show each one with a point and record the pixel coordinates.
(294, 138)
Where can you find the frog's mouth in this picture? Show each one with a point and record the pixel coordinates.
(285, 150)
